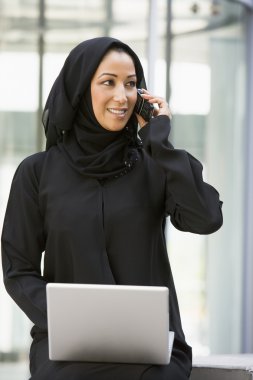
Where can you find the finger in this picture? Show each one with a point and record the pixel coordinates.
(161, 105)
(153, 99)
(145, 91)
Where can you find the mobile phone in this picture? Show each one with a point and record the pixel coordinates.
(143, 107)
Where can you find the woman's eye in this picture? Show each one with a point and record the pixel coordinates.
(108, 82)
(132, 83)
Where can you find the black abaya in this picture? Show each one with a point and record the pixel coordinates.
(103, 232)
(45, 369)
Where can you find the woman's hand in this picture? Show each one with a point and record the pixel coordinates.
(161, 107)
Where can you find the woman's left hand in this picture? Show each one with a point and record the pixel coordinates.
(161, 107)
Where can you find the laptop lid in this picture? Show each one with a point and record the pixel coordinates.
(108, 323)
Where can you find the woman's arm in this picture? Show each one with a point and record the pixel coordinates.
(192, 204)
(23, 242)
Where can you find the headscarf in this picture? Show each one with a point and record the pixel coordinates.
(70, 123)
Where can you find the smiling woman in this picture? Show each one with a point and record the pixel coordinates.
(113, 90)
(96, 202)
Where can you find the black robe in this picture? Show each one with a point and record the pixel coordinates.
(103, 232)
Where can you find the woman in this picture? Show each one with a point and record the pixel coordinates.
(96, 201)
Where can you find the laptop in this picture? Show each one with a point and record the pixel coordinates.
(108, 323)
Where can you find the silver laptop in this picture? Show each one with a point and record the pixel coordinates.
(109, 323)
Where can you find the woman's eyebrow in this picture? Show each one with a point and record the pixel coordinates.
(114, 75)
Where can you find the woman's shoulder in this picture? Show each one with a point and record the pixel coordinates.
(34, 158)
(31, 166)
(32, 161)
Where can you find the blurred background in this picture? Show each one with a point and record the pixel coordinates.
(199, 55)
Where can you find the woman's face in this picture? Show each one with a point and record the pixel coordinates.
(113, 90)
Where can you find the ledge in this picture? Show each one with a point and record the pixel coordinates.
(223, 367)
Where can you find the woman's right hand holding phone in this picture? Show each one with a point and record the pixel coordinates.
(161, 107)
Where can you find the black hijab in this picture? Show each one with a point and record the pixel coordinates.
(70, 123)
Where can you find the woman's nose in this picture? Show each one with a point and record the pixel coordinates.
(120, 94)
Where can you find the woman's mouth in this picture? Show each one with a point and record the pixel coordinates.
(118, 112)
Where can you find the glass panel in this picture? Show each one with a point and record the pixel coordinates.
(208, 86)
(126, 20)
(68, 23)
(18, 131)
